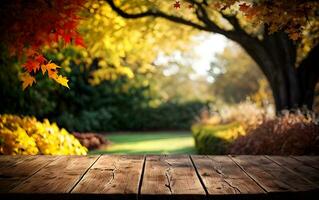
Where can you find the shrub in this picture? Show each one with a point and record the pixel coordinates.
(120, 117)
(288, 134)
(246, 113)
(27, 136)
(97, 120)
(168, 116)
(215, 131)
(214, 139)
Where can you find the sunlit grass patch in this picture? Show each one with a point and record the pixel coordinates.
(149, 143)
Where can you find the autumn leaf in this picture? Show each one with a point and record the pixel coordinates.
(40, 59)
(27, 80)
(51, 68)
(177, 5)
(62, 80)
(31, 65)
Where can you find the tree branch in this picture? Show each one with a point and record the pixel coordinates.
(202, 16)
(232, 19)
(249, 43)
(156, 13)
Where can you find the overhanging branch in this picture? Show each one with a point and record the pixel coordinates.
(156, 13)
(250, 44)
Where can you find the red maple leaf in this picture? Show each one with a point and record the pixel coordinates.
(177, 5)
(31, 65)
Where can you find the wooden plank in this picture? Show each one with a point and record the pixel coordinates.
(57, 177)
(16, 169)
(170, 177)
(221, 175)
(312, 161)
(114, 176)
(304, 171)
(272, 177)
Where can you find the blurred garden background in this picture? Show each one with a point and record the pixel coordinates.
(191, 77)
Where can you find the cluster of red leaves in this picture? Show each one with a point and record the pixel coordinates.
(34, 63)
(26, 26)
(289, 134)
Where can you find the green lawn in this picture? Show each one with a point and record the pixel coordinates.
(149, 143)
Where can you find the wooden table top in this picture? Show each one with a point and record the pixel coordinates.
(159, 177)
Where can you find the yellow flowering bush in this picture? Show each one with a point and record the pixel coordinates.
(27, 136)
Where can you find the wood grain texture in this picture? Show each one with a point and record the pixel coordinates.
(57, 177)
(221, 175)
(311, 161)
(271, 176)
(16, 169)
(304, 171)
(115, 176)
(170, 177)
(158, 177)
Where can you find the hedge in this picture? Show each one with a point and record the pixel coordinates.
(215, 139)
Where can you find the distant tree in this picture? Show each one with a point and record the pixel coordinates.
(293, 24)
(236, 76)
(173, 81)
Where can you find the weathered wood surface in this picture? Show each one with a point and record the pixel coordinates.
(170, 176)
(113, 175)
(220, 176)
(159, 177)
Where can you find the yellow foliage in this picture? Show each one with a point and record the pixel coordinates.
(214, 139)
(27, 136)
(61, 80)
(227, 132)
(125, 47)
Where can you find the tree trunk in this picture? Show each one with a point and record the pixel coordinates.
(308, 74)
(292, 86)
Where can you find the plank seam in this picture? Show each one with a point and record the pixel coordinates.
(292, 171)
(81, 177)
(56, 158)
(198, 175)
(251, 177)
(141, 179)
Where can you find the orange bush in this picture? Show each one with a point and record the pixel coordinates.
(289, 134)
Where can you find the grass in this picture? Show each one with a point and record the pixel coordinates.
(149, 143)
